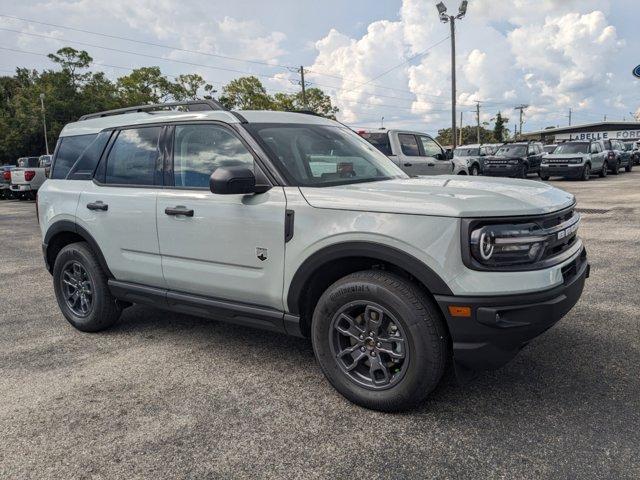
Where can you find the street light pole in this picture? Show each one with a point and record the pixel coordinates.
(44, 123)
(451, 19)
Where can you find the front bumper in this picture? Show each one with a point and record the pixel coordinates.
(500, 326)
(502, 170)
(562, 170)
(20, 188)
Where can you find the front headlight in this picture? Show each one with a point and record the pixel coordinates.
(497, 245)
(519, 244)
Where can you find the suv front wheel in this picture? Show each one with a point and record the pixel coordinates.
(380, 340)
(82, 291)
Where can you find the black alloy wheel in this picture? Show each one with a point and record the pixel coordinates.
(77, 287)
(369, 345)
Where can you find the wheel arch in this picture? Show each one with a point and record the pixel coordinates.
(333, 262)
(64, 232)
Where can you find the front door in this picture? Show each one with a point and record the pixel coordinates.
(228, 247)
(434, 154)
(411, 158)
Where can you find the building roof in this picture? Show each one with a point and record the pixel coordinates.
(598, 126)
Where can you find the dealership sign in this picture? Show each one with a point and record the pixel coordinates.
(636, 71)
(604, 135)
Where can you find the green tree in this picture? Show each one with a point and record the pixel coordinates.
(145, 85)
(469, 136)
(245, 93)
(186, 87)
(500, 131)
(72, 60)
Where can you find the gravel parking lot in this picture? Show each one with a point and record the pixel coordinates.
(164, 395)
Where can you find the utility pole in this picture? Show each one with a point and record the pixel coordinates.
(382, 123)
(478, 121)
(605, 117)
(570, 113)
(451, 19)
(460, 142)
(522, 108)
(44, 123)
(302, 84)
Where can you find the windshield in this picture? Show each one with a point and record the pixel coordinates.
(550, 148)
(379, 140)
(323, 155)
(572, 148)
(466, 152)
(512, 151)
(28, 162)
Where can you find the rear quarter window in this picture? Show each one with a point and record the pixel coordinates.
(67, 153)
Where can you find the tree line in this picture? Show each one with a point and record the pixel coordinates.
(72, 89)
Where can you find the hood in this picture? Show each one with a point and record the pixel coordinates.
(445, 196)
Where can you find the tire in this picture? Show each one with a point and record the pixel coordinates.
(542, 176)
(616, 169)
(605, 170)
(629, 166)
(474, 171)
(586, 173)
(396, 303)
(525, 171)
(103, 310)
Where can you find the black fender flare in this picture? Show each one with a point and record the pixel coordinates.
(376, 251)
(62, 226)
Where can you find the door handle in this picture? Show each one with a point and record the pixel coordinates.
(98, 206)
(408, 164)
(179, 210)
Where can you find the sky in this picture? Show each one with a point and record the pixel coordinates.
(375, 58)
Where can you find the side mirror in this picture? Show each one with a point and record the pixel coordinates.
(235, 181)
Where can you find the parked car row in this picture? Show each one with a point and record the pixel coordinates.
(573, 159)
(24, 179)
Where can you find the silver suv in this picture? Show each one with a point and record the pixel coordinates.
(576, 159)
(295, 224)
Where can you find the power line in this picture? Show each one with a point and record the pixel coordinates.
(422, 53)
(144, 42)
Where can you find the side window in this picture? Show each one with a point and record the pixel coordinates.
(200, 149)
(132, 159)
(409, 144)
(531, 150)
(431, 148)
(86, 164)
(67, 152)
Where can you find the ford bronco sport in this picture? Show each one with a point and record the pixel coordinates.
(293, 223)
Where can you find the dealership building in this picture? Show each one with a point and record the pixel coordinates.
(591, 131)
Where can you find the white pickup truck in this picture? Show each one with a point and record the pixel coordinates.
(27, 177)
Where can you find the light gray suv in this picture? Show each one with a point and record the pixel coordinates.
(577, 159)
(295, 224)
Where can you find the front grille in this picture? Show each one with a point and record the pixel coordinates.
(562, 160)
(561, 231)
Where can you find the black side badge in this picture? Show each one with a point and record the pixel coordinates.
(262, 253)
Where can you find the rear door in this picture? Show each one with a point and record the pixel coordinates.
(435, 156)
(119, 207)
(411, 158)
(228, 247)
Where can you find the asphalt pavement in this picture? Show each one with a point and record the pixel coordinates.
(164, 395)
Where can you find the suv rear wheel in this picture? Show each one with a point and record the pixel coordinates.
(525, 171)
(586, 172)
(474, 170)
(605, 170)
(616, 168)
(629, 166)
(380, 340)
(81, 289)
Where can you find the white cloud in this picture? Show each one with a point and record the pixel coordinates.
(552, 54)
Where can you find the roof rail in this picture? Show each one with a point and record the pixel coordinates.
(190, 105)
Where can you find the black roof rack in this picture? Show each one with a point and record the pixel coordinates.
(190, 105)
